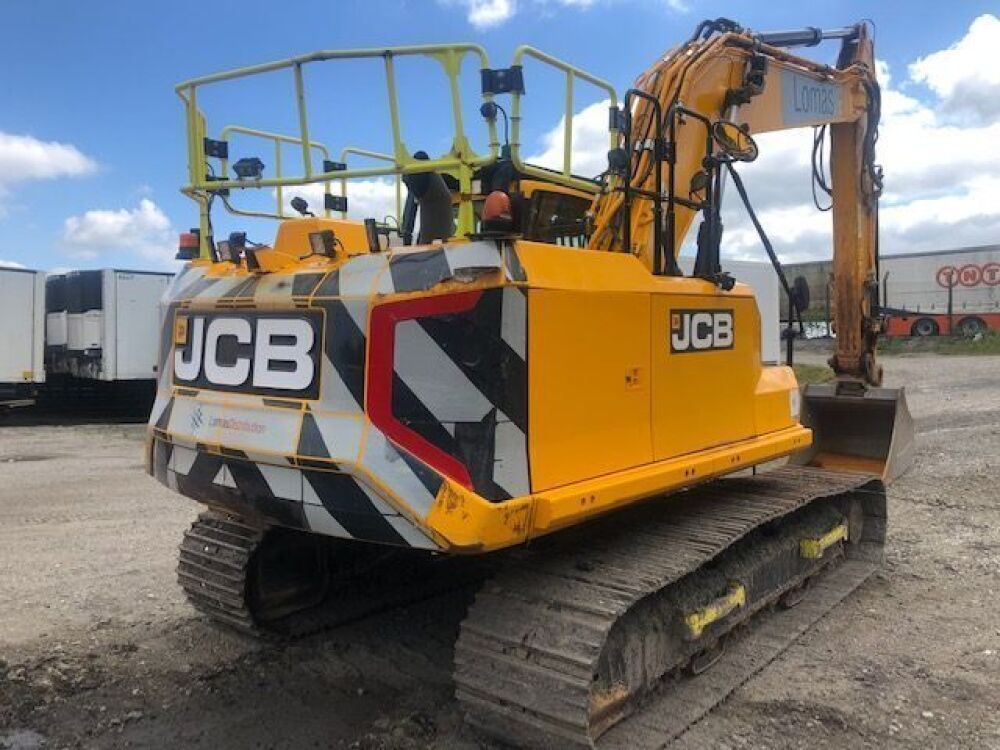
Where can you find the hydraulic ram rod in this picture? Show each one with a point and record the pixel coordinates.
(807, 37)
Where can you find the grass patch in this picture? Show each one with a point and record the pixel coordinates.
(988, 343)
(812, 373)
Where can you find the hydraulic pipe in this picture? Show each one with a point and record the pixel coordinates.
(807, 37)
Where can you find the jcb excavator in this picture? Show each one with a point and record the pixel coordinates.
(534, 384)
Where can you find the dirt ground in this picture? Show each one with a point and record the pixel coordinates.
(99, 649)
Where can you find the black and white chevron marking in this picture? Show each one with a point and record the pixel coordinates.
(328, 501)
(460, 382)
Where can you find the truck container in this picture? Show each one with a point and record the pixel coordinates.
(103, 324)
(22, 335)
(924, 294)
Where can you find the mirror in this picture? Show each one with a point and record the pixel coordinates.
(699, 181)
(733, 141)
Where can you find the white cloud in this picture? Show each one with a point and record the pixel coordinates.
(145, 230)
(965, 76)
(375, 198)
(11, 264)
(24, 158)
(485, 14)
(590, 142)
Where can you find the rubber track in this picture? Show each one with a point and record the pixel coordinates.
(527, 652)
(214, 569)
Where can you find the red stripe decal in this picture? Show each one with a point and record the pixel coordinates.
(381, 358)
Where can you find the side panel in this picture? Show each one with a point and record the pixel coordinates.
(137, 316)
(109, 326)
(38, 330)
(703, 397)
(17, 324)
(588, 384)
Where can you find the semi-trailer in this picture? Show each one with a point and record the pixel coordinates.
(103, 324)
(80, 340)
(22, 335)
(923, 294)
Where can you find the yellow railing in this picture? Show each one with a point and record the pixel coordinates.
(278, 139)
(378, 156)
(461, 162)
(572, 74)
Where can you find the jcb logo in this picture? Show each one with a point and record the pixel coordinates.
(269, 355)
(701, 330)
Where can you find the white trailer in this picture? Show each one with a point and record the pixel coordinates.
(764, 281)
(104, 324)
(924, 293)
(22, 334)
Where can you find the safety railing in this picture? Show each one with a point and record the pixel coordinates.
(460, 162)
(278, 140)
(572, 73)
(378, 156)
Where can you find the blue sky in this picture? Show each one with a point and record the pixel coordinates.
(91, 132)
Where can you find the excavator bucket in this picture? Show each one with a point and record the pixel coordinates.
(869, 430)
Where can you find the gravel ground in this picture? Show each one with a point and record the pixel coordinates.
(99, 649)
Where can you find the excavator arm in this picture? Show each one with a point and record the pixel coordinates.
(669, 170)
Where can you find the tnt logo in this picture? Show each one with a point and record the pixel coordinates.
(969, 275)
(701, 330)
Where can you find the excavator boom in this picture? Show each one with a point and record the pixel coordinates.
(669, 174)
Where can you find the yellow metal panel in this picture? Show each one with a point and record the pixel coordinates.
(588, 384)
(777, 403)
(556, 267)
(464, 523)
(564, 506)
(703, 398)
(293, 235)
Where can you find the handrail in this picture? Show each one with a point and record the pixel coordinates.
(404, 163)
(565, 176)
(278, 139)
(460, 162)
(348, 150)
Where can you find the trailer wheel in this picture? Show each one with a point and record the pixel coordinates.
(924, 327)
(971, 327)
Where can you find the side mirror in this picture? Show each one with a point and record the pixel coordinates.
(734, 141)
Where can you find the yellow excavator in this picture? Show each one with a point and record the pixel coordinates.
(513, 380)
